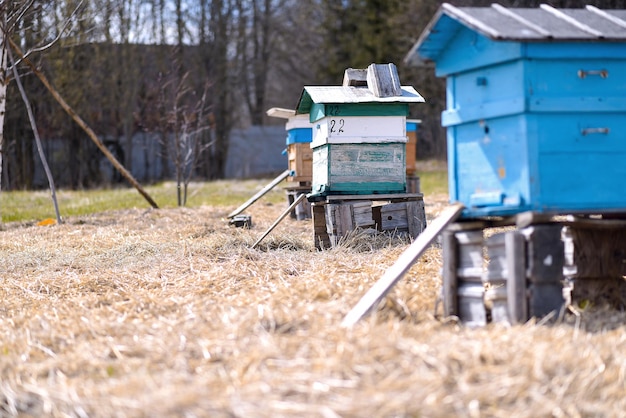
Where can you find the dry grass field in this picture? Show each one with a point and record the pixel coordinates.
(169, 312)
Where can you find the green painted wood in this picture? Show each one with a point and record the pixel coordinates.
(359, 168)
(321, 110)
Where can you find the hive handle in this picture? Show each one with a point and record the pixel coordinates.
(588, 131)
(584, 73)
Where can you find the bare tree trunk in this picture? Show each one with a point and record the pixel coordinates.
(4, 66)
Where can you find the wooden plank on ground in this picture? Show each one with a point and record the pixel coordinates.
(402, 265)
(280, 218)
(260, 194)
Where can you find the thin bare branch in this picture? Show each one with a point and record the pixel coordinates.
(33, 125)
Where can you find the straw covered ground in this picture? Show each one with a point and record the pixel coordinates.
(170, 312)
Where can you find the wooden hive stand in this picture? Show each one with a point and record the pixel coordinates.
(336, 217)
(534, 265)
(303, 209)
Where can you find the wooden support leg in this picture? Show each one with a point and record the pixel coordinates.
(449, 289)
(303, 210)
(516, 280)
(545, 258)
(320, 236)
(463, 291)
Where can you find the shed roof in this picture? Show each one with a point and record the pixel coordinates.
(542, 24)
(350, 94)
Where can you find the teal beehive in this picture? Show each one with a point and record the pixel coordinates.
(359, 132)
(536, 107)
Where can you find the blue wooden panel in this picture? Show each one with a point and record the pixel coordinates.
(596, 104)
(490, 170)
(479, 111)
(488, 84)
(576, 133)
(411, 126)
(470, 50)
(488, 92)
(299, 135)
(580, 160)
(542, 162)
(582, 182)
(571, 50)
(438, 37)
(592, 79)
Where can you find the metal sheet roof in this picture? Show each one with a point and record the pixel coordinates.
(350, 94)
(542, 24)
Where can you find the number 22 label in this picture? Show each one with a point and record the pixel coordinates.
(336, 126)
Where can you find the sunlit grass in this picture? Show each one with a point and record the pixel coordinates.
(32, 206)
(37, 205)
(433, 182)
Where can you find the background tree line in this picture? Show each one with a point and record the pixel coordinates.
(187, 72)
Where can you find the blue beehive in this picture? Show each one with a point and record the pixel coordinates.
(536, 107)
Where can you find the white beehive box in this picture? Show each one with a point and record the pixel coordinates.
(359, 133)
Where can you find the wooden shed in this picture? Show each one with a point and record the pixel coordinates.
(536, 107)
(359, 134)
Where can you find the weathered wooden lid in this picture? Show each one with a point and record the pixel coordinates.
(542, 24)
(293, 121)
(379, 83)
(355, 77)
(381, 79)
(343, 95)
(279, 112)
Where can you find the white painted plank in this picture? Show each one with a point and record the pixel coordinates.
(358, 129)
(402, 265)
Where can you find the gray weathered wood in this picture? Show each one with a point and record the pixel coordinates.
(383, 196)
(260, 193)
(320, 235)
(362, 212)
(402, 265)
(545, 253)
(544, 298)
(344, 219)
(280, 218)
(355, 77)
(471, 303)
(383, 80)
(525, 219)
(394, 216)
(595, 252)
(515, 248)
(470, 255)
(449, 293)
